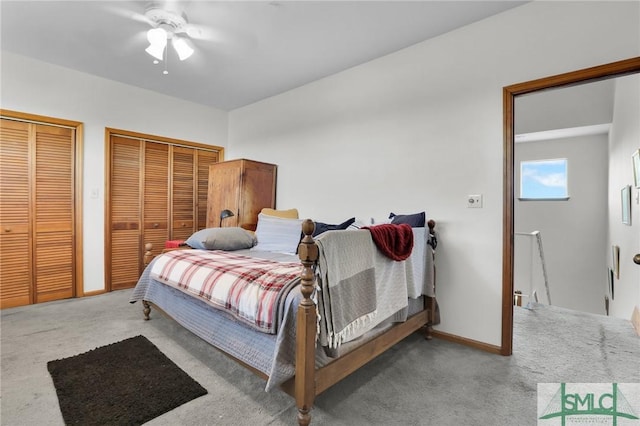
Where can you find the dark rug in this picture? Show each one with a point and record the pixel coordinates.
(124, 383)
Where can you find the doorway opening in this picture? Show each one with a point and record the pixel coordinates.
(601, 72)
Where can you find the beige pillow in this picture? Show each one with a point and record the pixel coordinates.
(284, 214)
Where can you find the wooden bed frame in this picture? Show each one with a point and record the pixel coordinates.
(308, 381)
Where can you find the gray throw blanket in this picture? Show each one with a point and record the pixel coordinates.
(346, 285)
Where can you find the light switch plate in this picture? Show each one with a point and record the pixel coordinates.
(474, 201)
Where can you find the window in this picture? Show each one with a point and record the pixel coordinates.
(544, 179)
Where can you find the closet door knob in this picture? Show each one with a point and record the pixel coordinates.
(7, 229)
(636, 259)
(155, 225)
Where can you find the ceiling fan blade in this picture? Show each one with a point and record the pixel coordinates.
(222, 26)
(128, 14)
(199, 32)
(220, 35)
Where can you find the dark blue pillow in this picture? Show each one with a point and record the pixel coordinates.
(323, 227)
(416, 220)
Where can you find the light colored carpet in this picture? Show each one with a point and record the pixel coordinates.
(415, 383)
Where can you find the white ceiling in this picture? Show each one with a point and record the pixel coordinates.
(257, 49)
(578, 110)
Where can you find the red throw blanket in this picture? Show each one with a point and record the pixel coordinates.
(394, 241)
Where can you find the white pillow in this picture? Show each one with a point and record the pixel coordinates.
(359, 223)
(277, 234)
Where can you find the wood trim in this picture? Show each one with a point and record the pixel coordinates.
(42, 119)
(78, 238)
(94, 293)
(79, 216)
(600, 72)
(163, 139)
(467, 342)
(32, 221)
(506, 345)
(586, 75)
(107, 209)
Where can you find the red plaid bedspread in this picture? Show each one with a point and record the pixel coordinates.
(247, 287)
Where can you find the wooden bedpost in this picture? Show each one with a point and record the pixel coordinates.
(146, 310)
(431, 301)
(306, 328)
(148, 255)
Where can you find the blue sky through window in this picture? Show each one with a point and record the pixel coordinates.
(543, 179)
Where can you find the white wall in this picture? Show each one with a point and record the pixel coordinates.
(36, 87)
(422, 129)
(572, 106)
(573, 232)
(624, 139)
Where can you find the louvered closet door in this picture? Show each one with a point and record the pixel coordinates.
(205, 159)
(156, 195)
(157, 192)
(183, 193)
(15, 240)
(126, 251)
(54, 218)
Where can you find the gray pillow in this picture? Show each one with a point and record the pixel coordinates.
(416, 220)
(228, 239)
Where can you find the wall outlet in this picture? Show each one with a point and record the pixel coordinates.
(474, 201)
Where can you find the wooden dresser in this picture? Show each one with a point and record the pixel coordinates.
(242, 186)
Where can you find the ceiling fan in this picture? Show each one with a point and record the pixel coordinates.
(169, 25)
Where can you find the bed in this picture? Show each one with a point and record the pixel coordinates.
(332, 311)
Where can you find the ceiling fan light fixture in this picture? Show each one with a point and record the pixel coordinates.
(157, 42)
(155, 51)
(182, 48)
(167, 24)
(157, 36)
